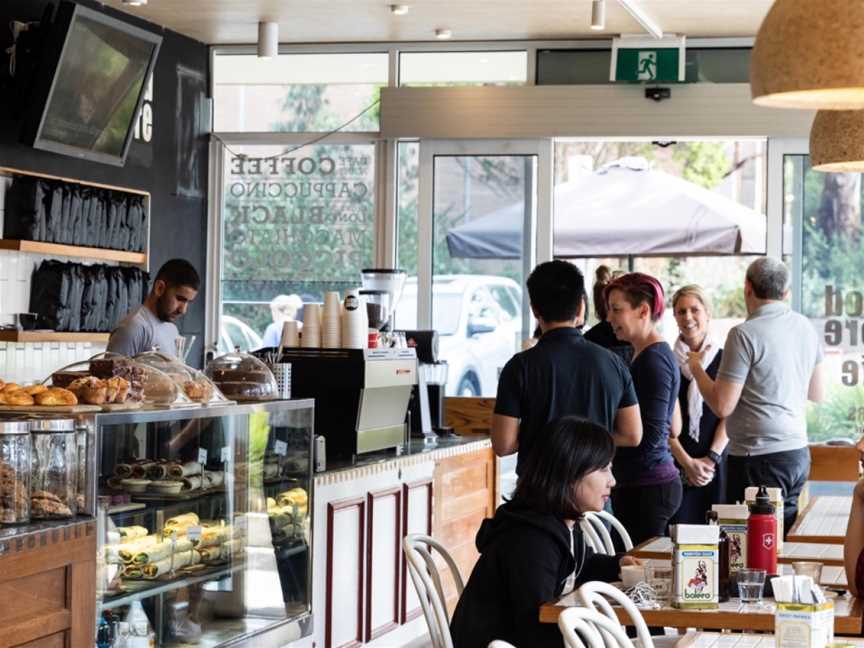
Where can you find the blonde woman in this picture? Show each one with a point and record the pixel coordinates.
(699, 449)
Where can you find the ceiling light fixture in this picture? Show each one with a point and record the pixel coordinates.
(837, 141)
(399, 9)
(443, 34)
(598, 15)
(135, 3)
(268, 39)
(809, 58)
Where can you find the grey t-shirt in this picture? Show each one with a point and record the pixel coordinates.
(140, 331)
(773, 355)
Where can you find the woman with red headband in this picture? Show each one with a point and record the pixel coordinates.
(649, 488)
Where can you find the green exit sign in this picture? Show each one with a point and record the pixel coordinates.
(647, 61)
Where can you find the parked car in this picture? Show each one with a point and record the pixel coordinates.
(235, 333)
(478, 319)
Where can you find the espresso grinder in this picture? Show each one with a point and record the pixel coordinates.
(426, 407)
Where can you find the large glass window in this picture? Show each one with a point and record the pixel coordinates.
(832, 283)
(463, 68)
(686, 212)
(407, 206)
(297, 92)
(295, 224)
(476, 289)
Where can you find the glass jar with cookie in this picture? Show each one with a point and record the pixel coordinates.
(14, 472)
(54, 479)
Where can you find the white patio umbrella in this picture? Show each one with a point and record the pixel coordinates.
(622, 209)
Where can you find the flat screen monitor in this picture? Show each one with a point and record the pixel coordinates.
(90, 84)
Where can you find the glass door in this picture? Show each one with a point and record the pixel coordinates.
(483, 208)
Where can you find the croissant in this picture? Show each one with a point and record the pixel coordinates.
(19, 397)
(10, 387)
(35, 389)
(56, 396)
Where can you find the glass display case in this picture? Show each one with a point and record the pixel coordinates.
(204, 526)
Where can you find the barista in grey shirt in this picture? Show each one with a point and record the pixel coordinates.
(771, 366)
(152, 324)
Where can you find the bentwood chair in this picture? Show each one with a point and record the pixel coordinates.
(418, 550)
(581, 625)
(615, 523)
(596, 534)
(594, 594)
(589, 533)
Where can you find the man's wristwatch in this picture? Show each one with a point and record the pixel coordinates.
(713, 456)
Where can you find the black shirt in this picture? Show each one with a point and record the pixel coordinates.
(657, 378)
(562, 375)
(708, 422)
(603, 334)
(525, 559)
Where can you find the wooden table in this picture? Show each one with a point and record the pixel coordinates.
(742, 640)
(848, 616)
(823, 521)
(832, 577)
(827, 554)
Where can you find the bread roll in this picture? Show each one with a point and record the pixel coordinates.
(35, 389)
(19, 397)
(56, 396)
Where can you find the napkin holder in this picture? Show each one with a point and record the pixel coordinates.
(808, 624)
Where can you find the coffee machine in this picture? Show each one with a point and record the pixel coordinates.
(361, 395)
(426, 407)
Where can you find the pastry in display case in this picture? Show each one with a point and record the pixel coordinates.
(197, 544)
(242, 377)
(195, 385)
(115, 382)
(164, 478)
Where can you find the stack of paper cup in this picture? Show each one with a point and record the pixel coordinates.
(290, 333)
(311, 338)
(331, 321)
(355, 321)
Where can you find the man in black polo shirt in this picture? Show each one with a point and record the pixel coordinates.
(563, 374)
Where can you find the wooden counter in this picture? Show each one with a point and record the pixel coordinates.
(48, 586)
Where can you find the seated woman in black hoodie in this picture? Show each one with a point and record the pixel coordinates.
(532, 551)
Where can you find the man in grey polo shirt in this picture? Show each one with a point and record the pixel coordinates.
(771, 366)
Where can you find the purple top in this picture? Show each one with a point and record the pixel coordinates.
(656, 378)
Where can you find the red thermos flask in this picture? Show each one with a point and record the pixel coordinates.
(762, 534)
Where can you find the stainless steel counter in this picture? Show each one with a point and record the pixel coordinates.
(412, 449)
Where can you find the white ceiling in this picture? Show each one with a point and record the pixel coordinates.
(313, 21)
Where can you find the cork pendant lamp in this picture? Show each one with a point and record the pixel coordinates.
(837, 141)
(808, 54)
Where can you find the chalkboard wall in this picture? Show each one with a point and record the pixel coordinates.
(172, 165)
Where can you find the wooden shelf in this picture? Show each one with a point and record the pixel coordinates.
(59, 249)
(46, 176)
(51, 336)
